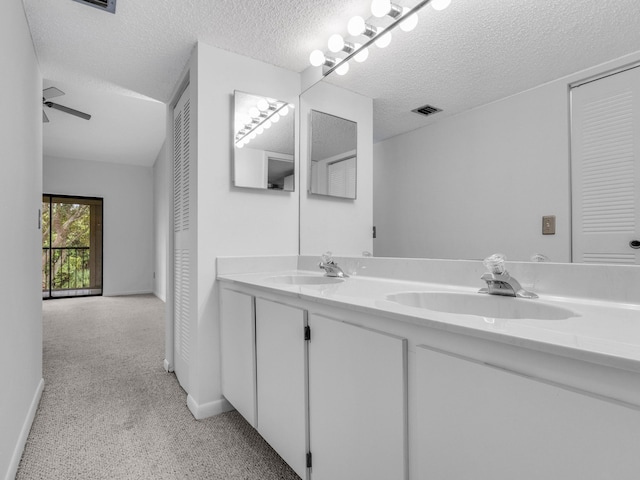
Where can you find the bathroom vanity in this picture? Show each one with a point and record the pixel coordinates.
(404, 371)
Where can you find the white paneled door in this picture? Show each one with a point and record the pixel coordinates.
(605, 169)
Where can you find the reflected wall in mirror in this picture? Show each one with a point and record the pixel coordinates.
(478, 177)
(333, 155)
(263, 143)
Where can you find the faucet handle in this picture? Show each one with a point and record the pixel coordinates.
(327, 257)
(495, 263)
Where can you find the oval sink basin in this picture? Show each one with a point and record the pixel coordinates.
(304, 280)
(482, 305)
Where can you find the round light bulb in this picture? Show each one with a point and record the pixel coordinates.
(379, 8)
(284, 110)
(356, 26)
(316, 58)
(440, 4)
(410, 22)
(362, 55)
(263, 104)
(239, 144)
(343, 68)
(335, 43)
(260, 130)
(383, 40)
(254, 112)
(267, 124)
(275, 118)
(252, 135)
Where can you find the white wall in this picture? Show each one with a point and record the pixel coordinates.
(20, 240)
(250, 167)
(478, 182)
(161, 195)
(230, 221)
(128, 242)
(342, 226)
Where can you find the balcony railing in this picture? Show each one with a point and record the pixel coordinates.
(66, 268)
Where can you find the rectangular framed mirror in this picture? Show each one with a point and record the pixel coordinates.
(333, 156)
(263, 143)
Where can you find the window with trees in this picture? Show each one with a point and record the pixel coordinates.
(71, 246)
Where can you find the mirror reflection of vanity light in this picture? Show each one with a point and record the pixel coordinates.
(263, 138)
(333, 156)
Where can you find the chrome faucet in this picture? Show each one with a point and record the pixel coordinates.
(499, 282)
(330, 267)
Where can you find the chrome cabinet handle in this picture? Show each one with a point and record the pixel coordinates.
(634, 244)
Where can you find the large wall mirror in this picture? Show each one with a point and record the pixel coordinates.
(481, 175)
(263, 143)
(333, 156)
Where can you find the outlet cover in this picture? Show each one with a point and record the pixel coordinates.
(549, 225)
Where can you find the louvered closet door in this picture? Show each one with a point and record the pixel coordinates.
(183, 271)
(605, 169)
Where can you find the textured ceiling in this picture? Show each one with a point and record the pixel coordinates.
(475, 52)
(331, 136)
(145, 46)
(123, 128)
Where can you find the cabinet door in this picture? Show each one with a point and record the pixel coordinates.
(357, 402)
(237, 344)
(479, 421)
(282, 392)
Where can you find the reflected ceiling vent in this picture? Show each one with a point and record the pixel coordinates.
(426, 110)
(106, 5)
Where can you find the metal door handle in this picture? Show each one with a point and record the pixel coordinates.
(634, 244)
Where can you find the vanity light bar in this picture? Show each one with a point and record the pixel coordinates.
(404, 17)
(268, 115)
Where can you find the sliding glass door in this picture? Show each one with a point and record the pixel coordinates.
(71, 246)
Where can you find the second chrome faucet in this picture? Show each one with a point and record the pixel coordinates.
(499, 282)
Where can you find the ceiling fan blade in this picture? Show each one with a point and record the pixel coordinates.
(45, 119)
(72, 111)
(52, 92)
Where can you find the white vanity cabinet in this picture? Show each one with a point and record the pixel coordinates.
(281, 355)
(321, 391)
(497, 424)
(357, 402)
(237, 344)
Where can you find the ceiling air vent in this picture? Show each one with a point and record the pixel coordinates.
(427, 110)
(106, 5)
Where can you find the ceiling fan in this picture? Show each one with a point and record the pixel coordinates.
(53, 92)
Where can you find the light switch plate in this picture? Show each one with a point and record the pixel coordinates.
(549, 225)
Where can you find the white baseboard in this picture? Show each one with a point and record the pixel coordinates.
(208, 409)
(122, 294)
(167, 366)
(24, 432)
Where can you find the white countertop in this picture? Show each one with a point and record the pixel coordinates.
(605, 333)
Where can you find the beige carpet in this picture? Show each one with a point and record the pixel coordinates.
(110, 411)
